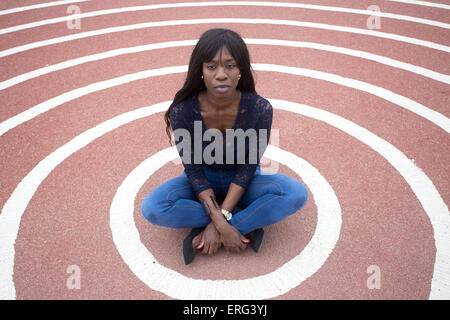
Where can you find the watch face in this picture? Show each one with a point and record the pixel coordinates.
(226, 214)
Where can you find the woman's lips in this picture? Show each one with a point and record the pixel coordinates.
(222, 89)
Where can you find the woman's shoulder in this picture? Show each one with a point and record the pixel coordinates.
(184, 107)
(258, 103)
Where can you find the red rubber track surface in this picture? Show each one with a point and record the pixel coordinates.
(67, 221)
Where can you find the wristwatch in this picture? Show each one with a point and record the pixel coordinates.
(227, 214)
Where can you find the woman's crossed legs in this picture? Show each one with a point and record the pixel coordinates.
(268, 199)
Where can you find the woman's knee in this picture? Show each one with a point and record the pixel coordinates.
(297, 194)
(163, 197)
(149, 209)
(302, 195)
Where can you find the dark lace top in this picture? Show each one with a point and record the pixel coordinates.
(254, 113)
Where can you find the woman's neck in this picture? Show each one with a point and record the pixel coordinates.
(221, 103)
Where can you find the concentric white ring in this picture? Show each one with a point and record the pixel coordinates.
(404, 102)
(419, 182)
(183, 43)
(290, 275)
(421, 185)
(82, 35)
(434, 23)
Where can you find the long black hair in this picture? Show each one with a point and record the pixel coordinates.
(205, 50)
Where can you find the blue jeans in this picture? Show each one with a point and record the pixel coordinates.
(268, 199)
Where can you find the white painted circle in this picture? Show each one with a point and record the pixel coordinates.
(418, 181)
(290, 275)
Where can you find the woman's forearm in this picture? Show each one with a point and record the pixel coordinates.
(235, 192)
(205, 195)
(233, 196)
(215, 214)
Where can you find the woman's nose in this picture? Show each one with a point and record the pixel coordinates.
(221, 74)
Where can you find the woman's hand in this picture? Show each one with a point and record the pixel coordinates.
(210, 241)
(233, 240)
(230, 237)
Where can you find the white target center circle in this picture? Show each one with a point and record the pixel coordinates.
(291, 274)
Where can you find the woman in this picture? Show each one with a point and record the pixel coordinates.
(222, 195)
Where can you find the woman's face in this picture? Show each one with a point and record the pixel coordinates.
(221, 75)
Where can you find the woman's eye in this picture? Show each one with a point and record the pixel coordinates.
(230, 66)
(210, 67)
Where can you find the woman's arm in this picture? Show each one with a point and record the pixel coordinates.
(216, 215)
(230, 237)
(263, 126)
(233, 196)
(181, 131)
